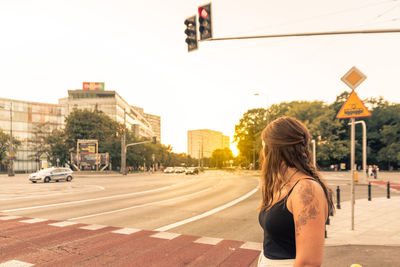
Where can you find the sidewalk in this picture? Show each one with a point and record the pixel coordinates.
(376, 222)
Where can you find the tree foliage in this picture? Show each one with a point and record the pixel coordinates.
(331, 134)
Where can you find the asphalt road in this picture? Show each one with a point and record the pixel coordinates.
(214, 204)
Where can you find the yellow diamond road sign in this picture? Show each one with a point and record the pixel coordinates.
(353, 108)
(353, 78)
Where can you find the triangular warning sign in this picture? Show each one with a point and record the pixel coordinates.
(353, 108)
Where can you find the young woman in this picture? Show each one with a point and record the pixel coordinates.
(295, 200)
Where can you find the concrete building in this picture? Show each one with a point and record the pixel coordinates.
(202, 143)
(112, 104)
(27, 116)
(154, 120)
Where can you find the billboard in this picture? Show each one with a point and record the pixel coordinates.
(87, 148)
(93, 86)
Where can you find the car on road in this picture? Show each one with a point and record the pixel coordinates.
(169, 170)
(52, 174)
(192, 170)
(179, 170)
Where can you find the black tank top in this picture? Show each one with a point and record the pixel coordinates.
(279, 233)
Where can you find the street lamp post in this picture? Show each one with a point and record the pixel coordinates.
(10, 148)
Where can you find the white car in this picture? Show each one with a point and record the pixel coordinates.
(169, 170)
(51, 174)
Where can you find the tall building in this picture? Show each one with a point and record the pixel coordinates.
(154, 120)
(202, 143)
(27, 116)
(24, 118)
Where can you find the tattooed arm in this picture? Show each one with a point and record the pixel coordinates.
(310, 210)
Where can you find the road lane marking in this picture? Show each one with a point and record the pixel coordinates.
(34, 220)
(143, 205)
(55, 194)
(208, 240)
(6, 218)
(93, 227)
(63, 224)
(252, 246)
(94, 199)
(208, 213)
(165, 235)
(15, 263)
(126, 231)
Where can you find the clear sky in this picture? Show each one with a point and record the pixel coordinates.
(138, 49)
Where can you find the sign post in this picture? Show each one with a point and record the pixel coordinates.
(351, 109)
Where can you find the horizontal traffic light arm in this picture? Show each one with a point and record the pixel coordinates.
(306, 34)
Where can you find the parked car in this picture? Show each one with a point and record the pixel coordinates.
(52, 174)
(192, 170)
(169, 170)
(179, 170)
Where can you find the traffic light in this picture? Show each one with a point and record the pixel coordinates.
(205, 24)
(154, 140)
(191, 32)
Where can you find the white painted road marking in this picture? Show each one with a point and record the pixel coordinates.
(34, 220)
(94, 199)
(93, 227)
(208, 240)
(165, 235)
(62, 224)
(252, 245)
(208, 213)
(143, 205)
(6, 218)
(126, 231)
(15, 263)
(50, 195)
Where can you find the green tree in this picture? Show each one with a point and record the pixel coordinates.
(248, 132)
(221, 156)
(58, 148)
(5, 146)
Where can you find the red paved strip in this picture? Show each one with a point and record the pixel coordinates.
(241, 257)
(160, 253)
(13, 242)
(10, 224)
(181, 257)
(62, 253)
(89, 251)
(395, 186)
(218, 254)
(115, 256)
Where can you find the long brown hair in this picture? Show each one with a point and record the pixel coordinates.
(286, 145)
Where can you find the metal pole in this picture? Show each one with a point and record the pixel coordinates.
(254, 155)
(11, 167)
(314, 153)
(123, 148)
(352, 157)
(364, 143)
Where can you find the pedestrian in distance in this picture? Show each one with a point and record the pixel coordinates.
(370, 170)
(295, 199)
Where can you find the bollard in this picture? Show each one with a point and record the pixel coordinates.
(338, 197)
(388, 189)
(369, 191)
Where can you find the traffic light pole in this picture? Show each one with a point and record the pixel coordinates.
(306, 34)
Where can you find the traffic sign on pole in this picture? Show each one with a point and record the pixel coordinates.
(353, 78)
(353, 108)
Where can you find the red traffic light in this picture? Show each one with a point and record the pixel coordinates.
(203, 12)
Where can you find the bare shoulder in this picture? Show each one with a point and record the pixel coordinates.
(307, 190)
(308, 204)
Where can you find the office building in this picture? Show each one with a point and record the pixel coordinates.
(27, 117)
(202, 143)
